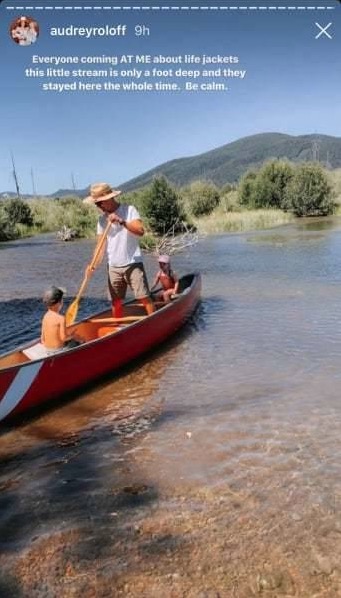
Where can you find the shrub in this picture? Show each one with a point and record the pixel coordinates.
(230, 202)
(136, 198)
(7, 231)
(69, 212)
(309, 192)
(201, 198)
(276, 175)
(227, 188)
(266, 188)
(74, 214)
(246, 188)
(161, 207)
(18, 212)
(45, 214)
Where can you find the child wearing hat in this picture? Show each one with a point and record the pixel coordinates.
(167, 278)
(53, 330)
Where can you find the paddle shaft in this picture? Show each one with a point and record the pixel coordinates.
(71, 312)
(93, 261)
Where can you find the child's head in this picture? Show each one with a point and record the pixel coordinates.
(164, 261)
(53, 296)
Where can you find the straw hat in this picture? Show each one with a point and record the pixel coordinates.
(101, 192)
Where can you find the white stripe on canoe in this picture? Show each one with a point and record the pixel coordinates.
(19, 388)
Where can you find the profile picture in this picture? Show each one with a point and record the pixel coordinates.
(24, 31)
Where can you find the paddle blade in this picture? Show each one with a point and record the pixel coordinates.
(71, 312)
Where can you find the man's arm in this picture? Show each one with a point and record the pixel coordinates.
(133, 226)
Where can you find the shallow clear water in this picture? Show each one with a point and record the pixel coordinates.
(232, 428)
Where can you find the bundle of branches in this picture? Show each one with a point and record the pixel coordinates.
(66, 233)
(171, 243)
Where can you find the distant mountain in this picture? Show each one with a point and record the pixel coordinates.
(228, 163)
(60, 193)
(71, 192)
(7, 195)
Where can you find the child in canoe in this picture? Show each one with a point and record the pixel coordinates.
(54, 336)
(167, 278)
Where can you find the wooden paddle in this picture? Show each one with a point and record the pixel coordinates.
(72, 310)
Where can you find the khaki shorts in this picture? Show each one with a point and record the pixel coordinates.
(134, 276)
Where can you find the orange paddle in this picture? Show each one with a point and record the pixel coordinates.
(72, 310)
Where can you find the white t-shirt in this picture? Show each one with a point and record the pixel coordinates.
(122, 246)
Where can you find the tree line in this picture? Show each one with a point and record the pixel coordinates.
(302, 189)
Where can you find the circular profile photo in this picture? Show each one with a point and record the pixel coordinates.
(24, 31)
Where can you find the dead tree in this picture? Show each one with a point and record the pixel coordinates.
(171, 243)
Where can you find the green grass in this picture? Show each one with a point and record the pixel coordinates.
(221, 221)
(50, 215)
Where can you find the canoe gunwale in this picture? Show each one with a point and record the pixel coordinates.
(94, 341)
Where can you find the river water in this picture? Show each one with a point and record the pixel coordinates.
(212, 467)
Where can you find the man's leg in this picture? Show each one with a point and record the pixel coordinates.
(117, 289)
(137, 280)
(117, 308)
(148, 305)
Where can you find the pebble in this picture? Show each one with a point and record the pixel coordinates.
(324, 565)
(274, 580)
(296, 517)
(268, 581)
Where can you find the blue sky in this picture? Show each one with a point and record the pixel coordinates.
(292, 85)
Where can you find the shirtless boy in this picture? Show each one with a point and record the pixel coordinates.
(53, 331)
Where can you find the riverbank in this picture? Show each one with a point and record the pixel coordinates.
(221, 220)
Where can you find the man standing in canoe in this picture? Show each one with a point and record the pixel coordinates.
(125, 265)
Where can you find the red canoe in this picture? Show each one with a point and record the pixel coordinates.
(29, 378)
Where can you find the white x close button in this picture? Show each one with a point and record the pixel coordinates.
(323, 30)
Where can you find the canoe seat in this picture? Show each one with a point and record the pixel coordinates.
(37, 351)
(104, 330)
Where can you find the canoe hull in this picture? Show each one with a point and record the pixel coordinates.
(31, 384)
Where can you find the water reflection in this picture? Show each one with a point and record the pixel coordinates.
(327, 223)
(284, 239)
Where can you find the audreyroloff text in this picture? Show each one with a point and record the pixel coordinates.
(103, 31)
